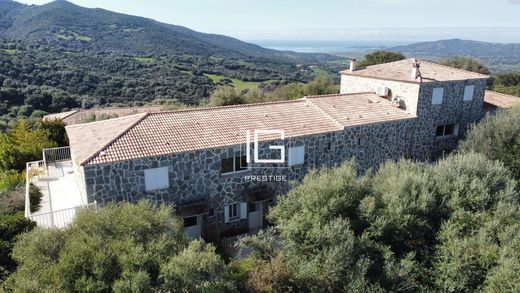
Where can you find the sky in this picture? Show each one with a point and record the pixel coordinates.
(341, 20)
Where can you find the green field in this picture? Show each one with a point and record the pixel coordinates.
(69, 35)
(10, 51)
(236, 83)
(144, 59)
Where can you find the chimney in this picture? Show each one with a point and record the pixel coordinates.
(416, 72)
(353, 64)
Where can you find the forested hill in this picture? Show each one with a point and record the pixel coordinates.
(63, 23)
(500, 57)
(59, 56)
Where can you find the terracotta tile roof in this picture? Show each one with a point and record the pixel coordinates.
(59, 116)
(352, 110)
(402, 71)
(78, 116)
(498, 100)
(181, 131)
(87, 140)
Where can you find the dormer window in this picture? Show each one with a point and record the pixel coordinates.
(437, 95)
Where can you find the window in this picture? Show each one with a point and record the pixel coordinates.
(447, 130)
(234, 165)
(211, 212)
(329, 146)
(190, 222)
(296, 155)
(469, 92)
(253, 207)
(155, 179)
(437, 95)
(360, 140)
(234, 212)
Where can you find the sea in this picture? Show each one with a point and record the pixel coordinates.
(327, 46)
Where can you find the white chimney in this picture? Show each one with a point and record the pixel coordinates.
(416, 72)
(353, 64)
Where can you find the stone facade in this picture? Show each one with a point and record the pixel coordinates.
(416, 98)
(196, 177)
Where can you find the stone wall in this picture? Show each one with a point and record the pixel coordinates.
(416, 98)
(196, 176)
(452, 110)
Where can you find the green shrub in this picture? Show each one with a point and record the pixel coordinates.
(11, 226)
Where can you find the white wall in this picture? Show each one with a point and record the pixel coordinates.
(408, 91)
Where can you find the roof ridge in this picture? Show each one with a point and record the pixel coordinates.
(96, 153)
(453, 68)
(104, 121)
(337, 95)
(249, 105)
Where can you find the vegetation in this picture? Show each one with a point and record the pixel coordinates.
(24, 143)
(408, 227)
(379, 57)
(225, 96)
(123, 248)
(43, 78)
(467, 63)
(11, 225)
(508, 83)
(498, 138)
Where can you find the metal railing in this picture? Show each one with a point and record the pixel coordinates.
(60, 218)
(56, 155)
(32, 170)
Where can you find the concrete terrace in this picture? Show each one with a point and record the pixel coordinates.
(61, 196)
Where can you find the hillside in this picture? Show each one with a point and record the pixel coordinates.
(68, 25)
(59, 56)
(500, 57)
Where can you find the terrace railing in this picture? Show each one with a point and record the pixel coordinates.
(33, 170)
(60, 218)
(56, 155)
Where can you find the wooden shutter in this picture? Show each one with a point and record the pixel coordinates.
(243, 210)
(226, 214)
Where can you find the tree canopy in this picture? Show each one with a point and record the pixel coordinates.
(407, 227)
(379, 57)
(498, 138)
(467, 63)
(123, 248)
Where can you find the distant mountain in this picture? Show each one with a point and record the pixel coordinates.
(66, 24)
(495, 54)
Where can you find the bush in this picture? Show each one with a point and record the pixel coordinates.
(21, 145)
(380, 57)
(409, 227)
(467, 63)
(11, 226)
(498, 138)
(123, 247)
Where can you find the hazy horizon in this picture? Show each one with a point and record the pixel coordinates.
(338, 20)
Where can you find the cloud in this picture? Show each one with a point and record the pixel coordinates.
(514, 1)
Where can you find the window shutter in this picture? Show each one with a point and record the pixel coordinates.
(469, 92)
(296, 155)
(243, 210)
(437, 95)
(226, 214)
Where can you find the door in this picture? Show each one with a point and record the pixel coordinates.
(255, 215)
(193, 226)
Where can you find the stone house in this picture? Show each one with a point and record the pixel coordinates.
(223, 167)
